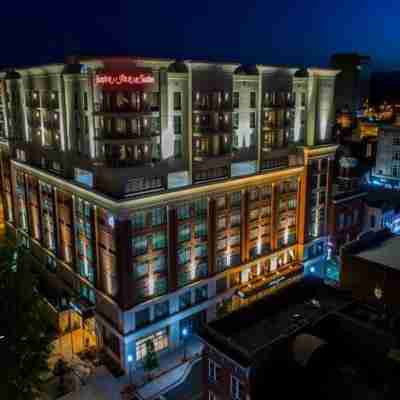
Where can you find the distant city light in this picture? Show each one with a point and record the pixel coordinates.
(184, 331)
(312, 270)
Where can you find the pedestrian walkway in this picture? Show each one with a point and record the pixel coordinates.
(172, 372)
(168, 361)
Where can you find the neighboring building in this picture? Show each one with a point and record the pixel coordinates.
(370, 269)
(381, 214)
(352, 86)
(387, 169)
(347, 210)
(327, 345)
(154, 189)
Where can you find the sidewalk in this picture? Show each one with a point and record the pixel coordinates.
(168, 362)
(172, 372)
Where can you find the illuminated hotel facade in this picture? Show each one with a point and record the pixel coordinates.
(157, 190)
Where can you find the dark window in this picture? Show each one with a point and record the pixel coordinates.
(177, 101)
(85, 101)
(235, 99)
(185, 301)
(252, 120)
(142, 318)
(252, 99)
(372, 221)
(161, 310)
(76, 100)
(201, 294)
(222, 285)
(177, 124)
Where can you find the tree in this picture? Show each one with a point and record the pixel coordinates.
(150, 361)
(24, 326)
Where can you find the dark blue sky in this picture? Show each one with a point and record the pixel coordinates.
(300, 32)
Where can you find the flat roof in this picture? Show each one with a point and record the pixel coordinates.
(385, 252)
(251, 329)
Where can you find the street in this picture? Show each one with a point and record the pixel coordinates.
(190, 389)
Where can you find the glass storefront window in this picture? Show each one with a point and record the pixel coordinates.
(160, 342)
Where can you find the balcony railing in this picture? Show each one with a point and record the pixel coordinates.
(126, 108)
(142, 135)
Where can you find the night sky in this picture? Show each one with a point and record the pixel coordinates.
(295, 32)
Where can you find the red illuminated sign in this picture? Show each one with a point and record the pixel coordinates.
(123, 79)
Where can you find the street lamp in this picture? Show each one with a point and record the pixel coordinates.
(184, 334)
(130, 362)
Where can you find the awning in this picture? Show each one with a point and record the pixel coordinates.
(262, 284)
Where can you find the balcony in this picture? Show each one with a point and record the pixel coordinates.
(221, 129)
(128, 137)
(207, 160)
(214, 106)
(34, 122)
(126, 110)
(52, 124)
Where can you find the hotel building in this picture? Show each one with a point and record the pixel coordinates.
(156, 190)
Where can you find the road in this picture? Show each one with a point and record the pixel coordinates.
(190, 389)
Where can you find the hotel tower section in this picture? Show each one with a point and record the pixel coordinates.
(160, 193)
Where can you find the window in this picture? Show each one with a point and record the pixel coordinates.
(159, 240)
(214, 371)
(142, 318)
(211, 395)
(201, 250)
(201, 294)
(396, 141)
(177, 101)
(184, 233)
(177, 147)
(200, 230)
(235, 99)
(237, 389)
(254, 214)
(161, 310)
(235, 199)
(252, 99)
(139, 245)
(177, 124)
(222, 285)
(355, 216)
(252, 120)
(160, 342)
(292, 203)
(85, 101)
(200, 207)
(183, 212)
(372, 221)
(185, 301)
(159, 263)
(234, 240)
(221, 223)
(235, 121)
(235, 220)
(158, 216)
(183, 256)
(140, 269)
(76, 100)
(221, 203)
(138, 220)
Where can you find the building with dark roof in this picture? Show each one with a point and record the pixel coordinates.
(371, 268)
(308, 341)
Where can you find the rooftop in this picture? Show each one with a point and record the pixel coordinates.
(249, 330)
(384, 252)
